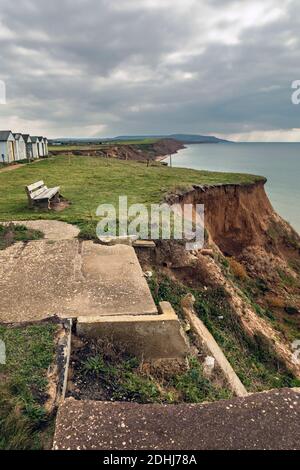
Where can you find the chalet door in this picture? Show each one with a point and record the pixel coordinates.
(11, 152)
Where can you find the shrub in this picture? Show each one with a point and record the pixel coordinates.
(275, 301)
(237, 269)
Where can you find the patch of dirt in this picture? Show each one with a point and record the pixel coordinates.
(10, 168)
(60, 206)
(100, 370)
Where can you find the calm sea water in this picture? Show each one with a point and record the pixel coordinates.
(279, 162)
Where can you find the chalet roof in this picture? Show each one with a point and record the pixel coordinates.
(4, 135)
(17, 136)
(26, 137)
(34, 138)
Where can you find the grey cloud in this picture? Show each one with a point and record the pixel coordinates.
(77, 64)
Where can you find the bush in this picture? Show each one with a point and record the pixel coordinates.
(275, 301)
(237, 269)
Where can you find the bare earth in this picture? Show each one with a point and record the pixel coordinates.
(10, 168)
(69, 278)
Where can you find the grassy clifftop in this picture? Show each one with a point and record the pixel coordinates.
(90, 181)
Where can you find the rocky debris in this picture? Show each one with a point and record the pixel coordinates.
(208, 365)
(207, 252)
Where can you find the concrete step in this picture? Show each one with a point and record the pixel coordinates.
(269, 420)
(145, 336)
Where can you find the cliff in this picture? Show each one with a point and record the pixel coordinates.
(240, 216)
(251, 257)
(137, 152)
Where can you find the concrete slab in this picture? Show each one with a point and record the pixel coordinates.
(115, 284)
(69, 278)
(145, 336)
(268, 420)
(52, 229)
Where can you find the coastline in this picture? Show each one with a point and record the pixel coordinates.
(282, 186)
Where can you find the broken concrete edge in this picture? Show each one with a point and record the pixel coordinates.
(130, 240)
(145, 336)
(118, 240)
(63, 358)
(116, 314)
(58, 371)
(144, 244)
(214, 349)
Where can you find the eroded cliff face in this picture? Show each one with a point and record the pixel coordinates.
(241, 216)
(137, 152)
(254, 257)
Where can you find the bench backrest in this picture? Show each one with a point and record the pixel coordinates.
(35, 189)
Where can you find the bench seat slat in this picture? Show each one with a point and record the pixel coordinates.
(47, 194)
(36, 185)
(36, 193)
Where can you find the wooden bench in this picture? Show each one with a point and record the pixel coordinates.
(39, 193)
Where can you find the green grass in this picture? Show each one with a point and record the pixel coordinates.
(23, 387)
(86, 146)
(90, 181)
(69, 148)
(122, 378)
(252, 359)
(12, 233)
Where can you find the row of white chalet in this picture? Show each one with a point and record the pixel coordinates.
(17, 147)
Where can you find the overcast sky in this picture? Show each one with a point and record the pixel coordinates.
(110, 67)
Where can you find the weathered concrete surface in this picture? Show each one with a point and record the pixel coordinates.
(268, 420)
(207, 340)
(70, 279)
(52, 229)
(144, 244)
(147, 336)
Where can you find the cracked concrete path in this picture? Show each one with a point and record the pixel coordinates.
(70, 278)
(269, 420)
(52, 229)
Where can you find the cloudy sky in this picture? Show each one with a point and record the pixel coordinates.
(110, 67)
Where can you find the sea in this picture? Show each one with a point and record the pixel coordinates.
(278, 162)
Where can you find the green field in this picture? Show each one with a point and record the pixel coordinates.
(67, 147)
(89, 181)
(104, 145)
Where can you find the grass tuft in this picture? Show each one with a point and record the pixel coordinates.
(11, 233)
(23, 390)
